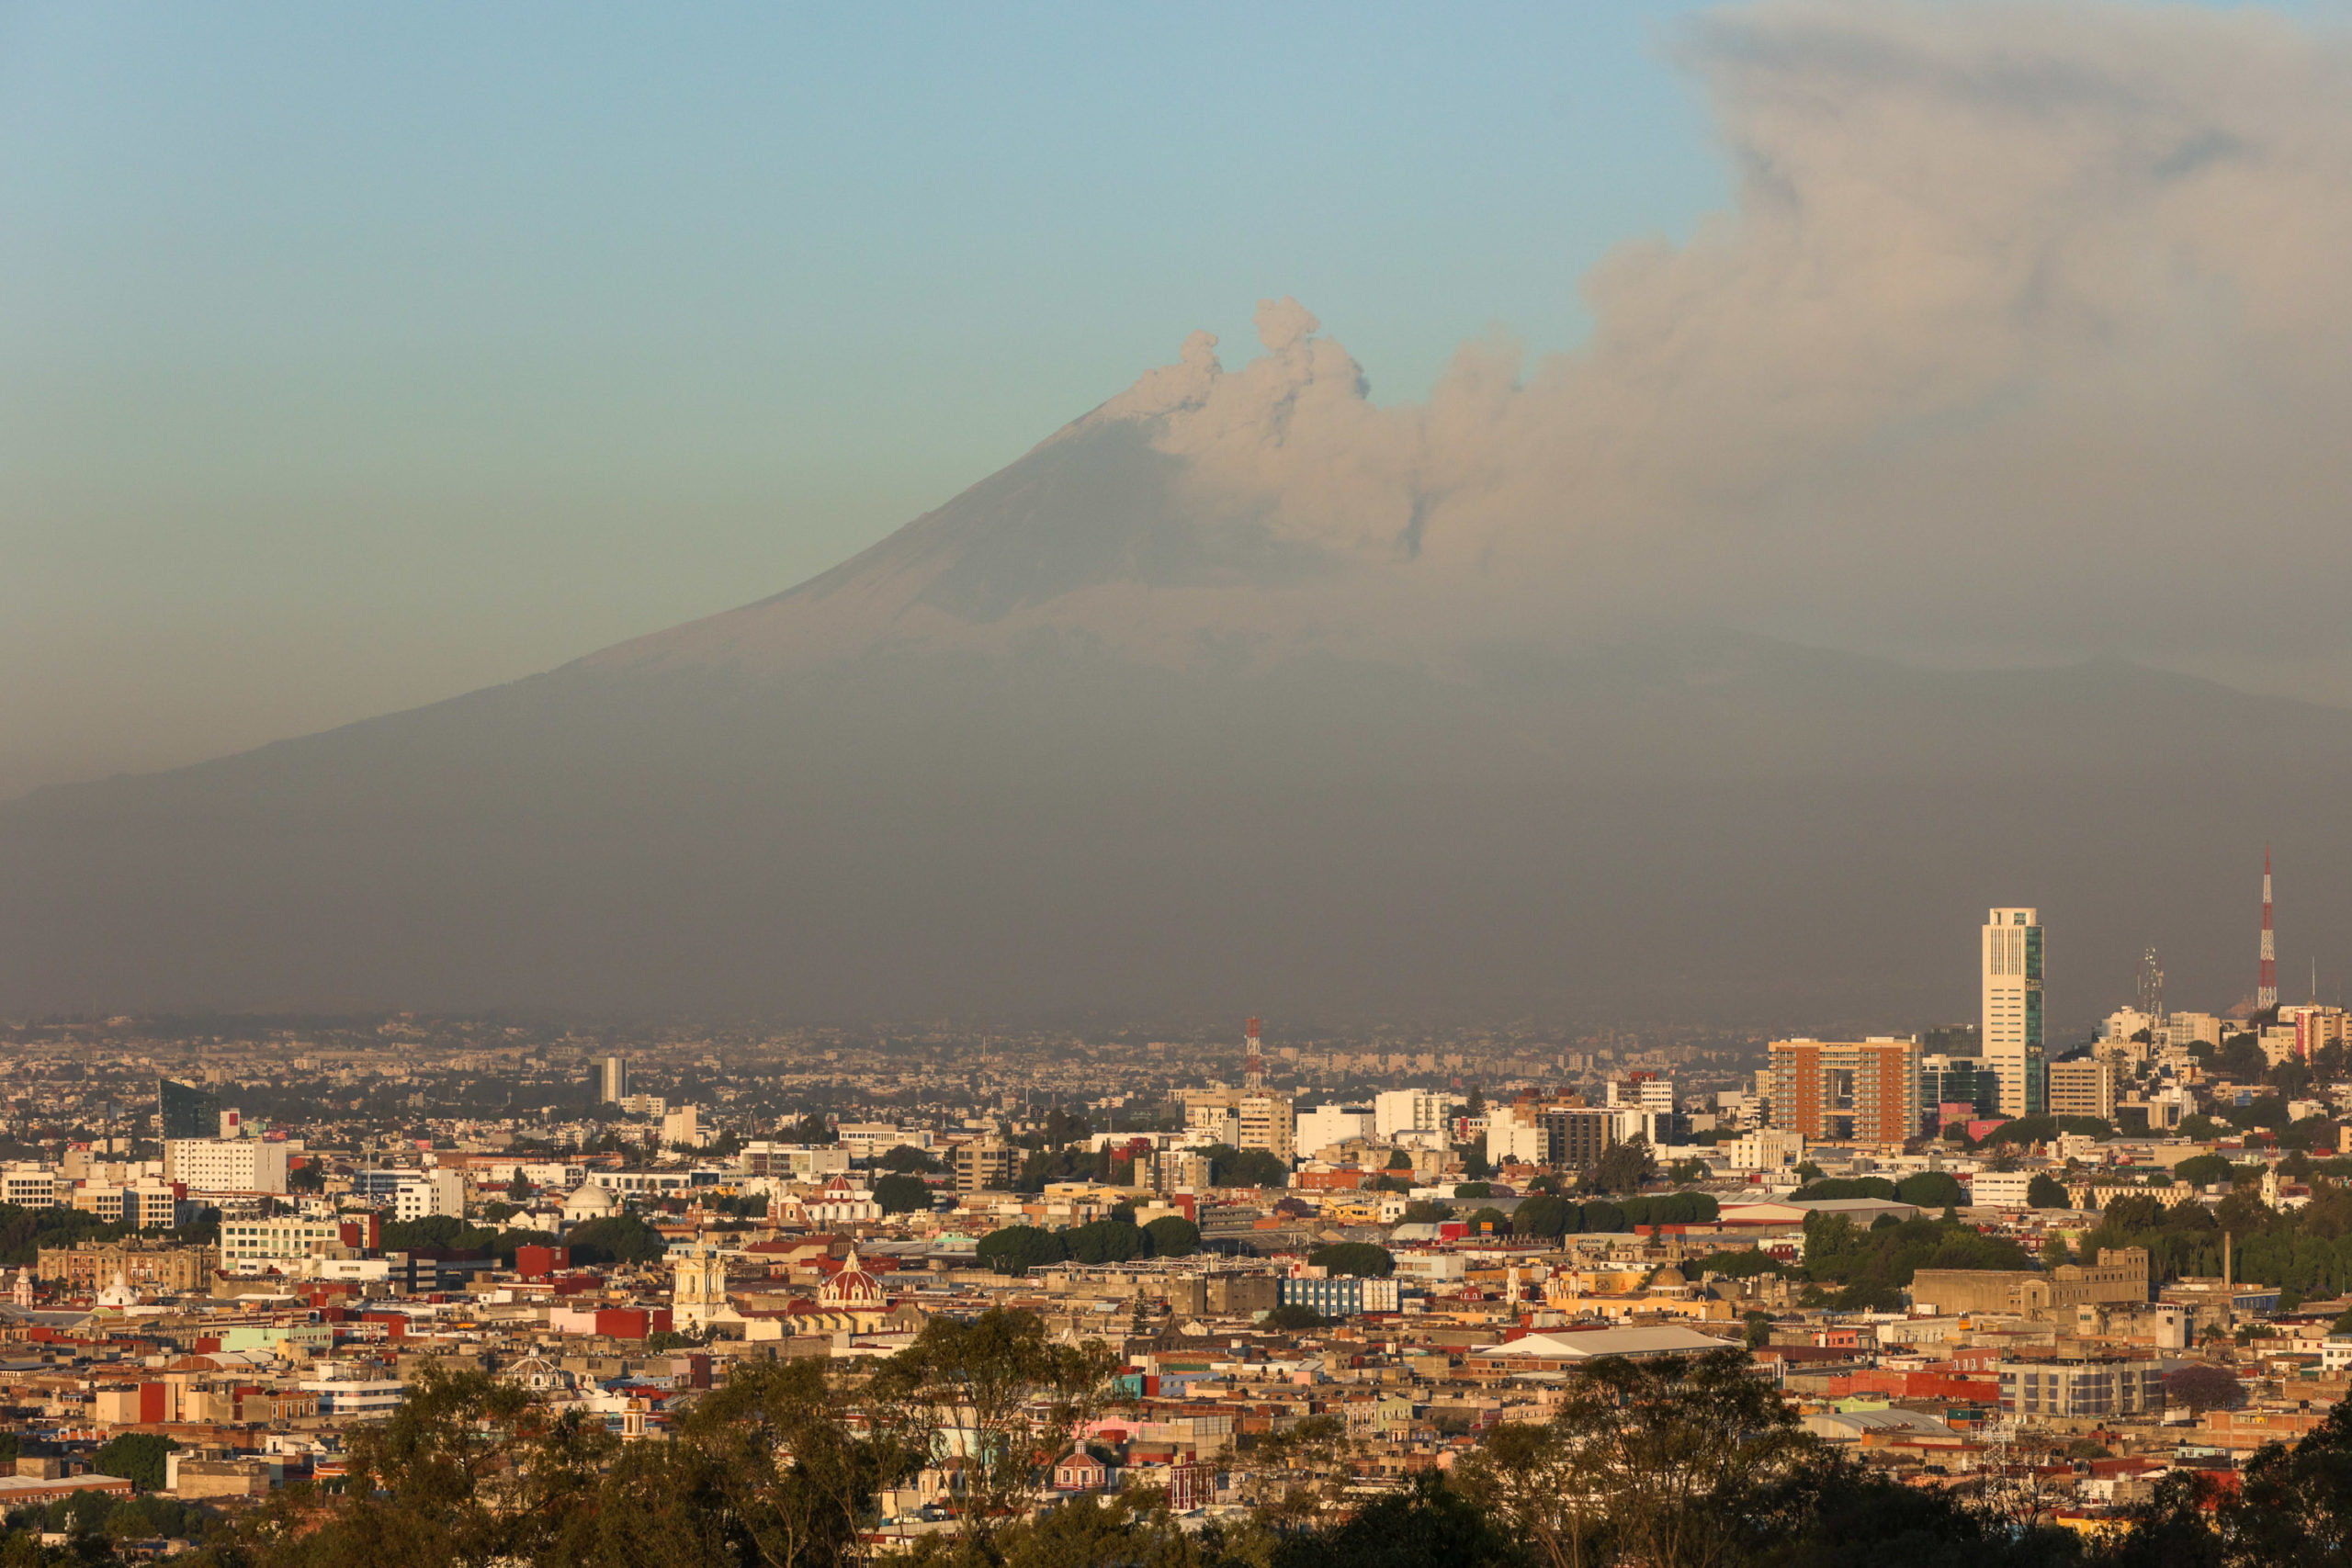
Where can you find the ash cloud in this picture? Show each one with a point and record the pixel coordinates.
(2026, 338)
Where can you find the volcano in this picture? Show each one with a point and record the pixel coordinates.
(1108, 735)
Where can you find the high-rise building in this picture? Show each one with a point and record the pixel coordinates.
(1576, 1137)
(2265, 991)
(2012, 973)
(1864, 1092)
(185, 1111)
(611, 1079)
(1269, 1121)
(1399, 1111)
(2085, 1087)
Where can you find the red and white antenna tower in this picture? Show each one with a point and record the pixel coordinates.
(1257, 1078)
(2266, 995)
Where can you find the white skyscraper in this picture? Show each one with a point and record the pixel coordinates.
(611, 1079)
(2012, 972)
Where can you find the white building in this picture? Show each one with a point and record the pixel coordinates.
(414, 1194)
(1511, 1136)
(801, 1162)
(283, 1237)
(684, 1126)
(1325, 1125)
(866, 1140)
(1998, 1189)
(1402, 1110)
(28, 1186)
(226, 1165)
(2011, 968)
(1765, 1149)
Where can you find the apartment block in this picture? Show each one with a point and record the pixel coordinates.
(1864, 1092)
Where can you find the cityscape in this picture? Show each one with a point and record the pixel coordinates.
(754, 815)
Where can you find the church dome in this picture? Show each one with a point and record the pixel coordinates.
(119, 1294)
(591, 1202)
(853, 1287)
(1667, 1277)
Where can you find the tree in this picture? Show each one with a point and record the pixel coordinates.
(1426, 1212)
(2202, 1387)
(1545, 1215)
(1173, 1235)
(1623, 1168)
(1931, 1190)
(1399, 1160)
(1016, 1249)
(814, 1129)
(619, 1238)
(903, 1194)
(998, 1395)
(1105, 1241)
(909, 1161)
(137, 1457)
(469, 1470)
(1292, 1316)
(518, 1187)
(1361, 1259)
(1682, 1457)
(768, 1468)
(2046, 1192)
(1473, 1190)
(1490, 1220)
(2203, 1170)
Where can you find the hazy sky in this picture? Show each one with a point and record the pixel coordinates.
(356, 360)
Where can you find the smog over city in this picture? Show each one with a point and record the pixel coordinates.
(1029, 786)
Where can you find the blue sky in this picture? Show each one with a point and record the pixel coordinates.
(356, 358)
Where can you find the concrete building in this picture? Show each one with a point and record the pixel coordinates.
(1325, 1125)
(984, 1165)
(2096, 1389)
(1575, 1137)
(1864, 1092)
(2120, 1275)
(796, 1162)
(611, 1079)
(1403, 1110)
(93, 1264)
(2085, 1087)
(1765, 1149)
(1269, 1121)
(2011, 968)
(281, 1238)
(226, 1165)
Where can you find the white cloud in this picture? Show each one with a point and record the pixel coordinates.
(2027, 337)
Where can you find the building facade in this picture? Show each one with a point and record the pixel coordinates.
(1864, 1092)
(2011, 967)
(226, 1165)
(1575, 1137)
(2085, 1087)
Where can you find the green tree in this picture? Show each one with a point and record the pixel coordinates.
(1290, 1317)
(1931, 1190)
(2046, 1192)
(1545, 1215)
(900, 1194)
(1173, 1235)
(1473, 1190)
(1361, 1259)
(1106, 1241)
(616, 1238)
(137, 1457)
(999, 1395)
(1425, 1212)
(909, 1161)
(1016, 1249)
(1623, 1168)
